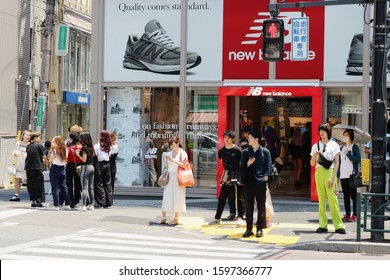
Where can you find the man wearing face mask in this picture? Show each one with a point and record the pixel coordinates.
(349, 164)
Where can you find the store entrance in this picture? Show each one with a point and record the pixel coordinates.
(285, 124)
(287, 112)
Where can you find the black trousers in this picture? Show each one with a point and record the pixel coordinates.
(239, 197)
(35, 184)
(102, 184)
(252, 192)
(226, 190)
(73, 183)
(349, 194)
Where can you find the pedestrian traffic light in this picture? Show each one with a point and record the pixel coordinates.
(273, 39)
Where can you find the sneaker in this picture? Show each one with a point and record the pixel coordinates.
(240, 221)
(90, 207)
(137, 109)
(341, 231)
(321, 230)
(231, 216)
(66, 207)
(134, 160)
(15, 198)
(352, 218)
(117, 109)
(345, 218)
(355, 56)
(156, 52)
(83, 208)
(215, 222)
(118, 134)
(120, 160)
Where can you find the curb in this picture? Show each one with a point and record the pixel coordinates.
(344, 247)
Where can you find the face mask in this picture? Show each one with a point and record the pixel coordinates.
(345, 139)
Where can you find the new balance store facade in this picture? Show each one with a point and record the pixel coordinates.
(141, 87)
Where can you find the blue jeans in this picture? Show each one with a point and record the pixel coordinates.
(86, 177)
(58, 183)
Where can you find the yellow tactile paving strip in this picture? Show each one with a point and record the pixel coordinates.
(234, 231)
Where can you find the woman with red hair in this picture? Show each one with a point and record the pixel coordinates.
(103, 187)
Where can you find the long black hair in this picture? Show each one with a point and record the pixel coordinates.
(86, 141)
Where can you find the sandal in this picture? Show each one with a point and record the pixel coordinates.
(174, 222)
(162, 221)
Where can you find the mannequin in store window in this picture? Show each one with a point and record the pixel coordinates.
(244, 119)
(282, 129)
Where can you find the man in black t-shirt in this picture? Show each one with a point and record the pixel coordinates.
(230, 155)
(33, 166)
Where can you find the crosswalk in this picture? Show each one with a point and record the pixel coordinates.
(95, 244)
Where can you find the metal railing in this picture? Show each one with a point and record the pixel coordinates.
(365, 198)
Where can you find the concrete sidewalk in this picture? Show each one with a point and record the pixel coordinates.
(293, 225)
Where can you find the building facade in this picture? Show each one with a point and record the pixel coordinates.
(141, 85)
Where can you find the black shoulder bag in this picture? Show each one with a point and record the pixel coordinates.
(322, 160)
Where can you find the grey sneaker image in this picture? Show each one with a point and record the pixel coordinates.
(120, 160)
(136, 159)
(117, 109)
(156, 52)
(355, 56)
(137, 109)
(118, 134)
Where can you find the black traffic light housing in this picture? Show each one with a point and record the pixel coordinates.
(273, 39)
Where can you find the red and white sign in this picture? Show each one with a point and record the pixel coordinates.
(242, 42)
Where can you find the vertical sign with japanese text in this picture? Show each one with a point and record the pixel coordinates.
(300, 39)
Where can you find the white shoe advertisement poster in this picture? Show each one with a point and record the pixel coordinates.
(142, 40)
(124, 119)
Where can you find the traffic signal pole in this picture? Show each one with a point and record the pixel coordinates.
(379, 117)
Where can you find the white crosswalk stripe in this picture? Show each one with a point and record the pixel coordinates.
(98, 244)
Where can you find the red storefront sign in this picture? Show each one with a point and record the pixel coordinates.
(242, 42)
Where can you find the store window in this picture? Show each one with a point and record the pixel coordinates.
(344, 106)
(201, 134)
(143, 119)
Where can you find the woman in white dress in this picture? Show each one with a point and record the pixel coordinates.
(174, 197)
(20, 153)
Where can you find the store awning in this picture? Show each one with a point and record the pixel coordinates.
(202, 117)
(77, 20)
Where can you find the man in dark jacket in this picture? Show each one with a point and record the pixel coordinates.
(256, 167)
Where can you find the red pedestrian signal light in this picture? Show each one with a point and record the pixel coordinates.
(273, 40)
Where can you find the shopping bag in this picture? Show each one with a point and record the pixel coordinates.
(185, 175)
(12, 170)
(355, 180)
(163, 179)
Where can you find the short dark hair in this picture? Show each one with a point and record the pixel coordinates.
(255, 133)
(74, 136)
(327, 128)
(47, 144)
(350, 133)
(229, 133)
(246, 128)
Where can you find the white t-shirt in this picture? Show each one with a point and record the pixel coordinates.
(101, 156)
(57, 160)
(332, 150)
(346, 165)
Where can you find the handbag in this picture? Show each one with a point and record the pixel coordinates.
(355, 180)
(12, 170)
(185, 176)
(164, 178)
(322, 160)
